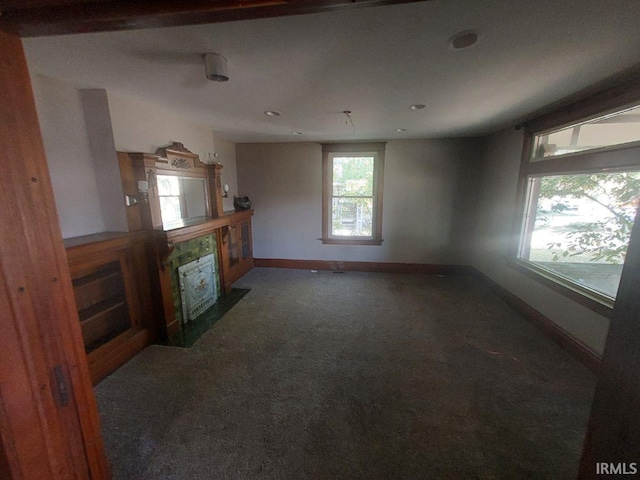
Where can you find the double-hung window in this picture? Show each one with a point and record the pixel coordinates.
(352, 193)
(581, 192)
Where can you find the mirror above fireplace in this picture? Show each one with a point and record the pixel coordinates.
(181, 199)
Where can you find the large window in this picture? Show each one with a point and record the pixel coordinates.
(582, 189)
(352, 193)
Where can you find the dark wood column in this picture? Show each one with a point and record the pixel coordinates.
(48, 417)
(613, 435)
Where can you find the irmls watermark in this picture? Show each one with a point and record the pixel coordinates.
(606, 468)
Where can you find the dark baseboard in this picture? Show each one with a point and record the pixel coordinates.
(568, 342)
(347, 266)
(571, 344)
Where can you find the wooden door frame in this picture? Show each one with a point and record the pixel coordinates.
(37, 287)
(49, 426)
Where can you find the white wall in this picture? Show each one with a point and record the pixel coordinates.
(421, 180)
(63, 126)
(493, 239)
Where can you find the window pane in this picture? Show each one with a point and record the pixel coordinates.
(353, 176)
(614, 129)
(579, 226)
(352, 217)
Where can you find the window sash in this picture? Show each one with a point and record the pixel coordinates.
(610, 159)
(331, 151)
(332, 157)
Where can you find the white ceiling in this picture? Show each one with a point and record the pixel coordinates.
(375, 62)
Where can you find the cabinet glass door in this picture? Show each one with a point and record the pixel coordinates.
(234, 245)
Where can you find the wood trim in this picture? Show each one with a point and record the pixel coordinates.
(379, 200)
(353, 147)
(109, 357)
(326, 194)
(378, 194)
(90, 245)
(351, 241)
(623, 95)
(57, 17)
(568, 342)
(51, 436)
(187, 233)
(130, 188)
(344, 266)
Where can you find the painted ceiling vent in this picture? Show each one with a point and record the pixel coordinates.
(216, 67)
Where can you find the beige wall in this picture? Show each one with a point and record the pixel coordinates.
(493, 239)
(105, 159)
(421, 195)
(82, 131)
(64, 132)
(142, 126)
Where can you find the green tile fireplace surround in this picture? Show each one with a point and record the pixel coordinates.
(184, 253)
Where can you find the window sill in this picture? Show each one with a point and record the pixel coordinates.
(586, 297)
(351, 241)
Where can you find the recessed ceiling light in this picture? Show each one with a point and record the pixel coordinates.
(417, 106)
(463, 39)
(272, 113)
(401, 129)
(296, 133)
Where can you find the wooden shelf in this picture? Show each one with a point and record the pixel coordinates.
(111, 282)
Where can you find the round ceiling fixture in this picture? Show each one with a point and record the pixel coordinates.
(463, 39)
(272, 113)
(401, 129)
(216, 67)
(417, 106)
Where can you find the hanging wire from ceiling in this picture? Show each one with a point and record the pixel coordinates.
(349, 120)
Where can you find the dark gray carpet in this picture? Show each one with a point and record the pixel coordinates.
(348, 376)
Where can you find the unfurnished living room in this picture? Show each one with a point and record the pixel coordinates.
(376, 239)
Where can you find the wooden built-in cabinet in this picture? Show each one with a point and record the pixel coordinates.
(122, 282)
(237, 248)
(110, 273)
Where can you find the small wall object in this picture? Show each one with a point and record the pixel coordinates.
(241, 203)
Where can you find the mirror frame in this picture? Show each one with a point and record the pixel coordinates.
(174, 160)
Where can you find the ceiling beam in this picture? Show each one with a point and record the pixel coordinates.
(58, 17)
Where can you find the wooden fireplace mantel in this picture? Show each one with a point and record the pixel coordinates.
(231, 230)
(167, 239)
(232, 233)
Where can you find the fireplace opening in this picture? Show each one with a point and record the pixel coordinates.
(198, 289)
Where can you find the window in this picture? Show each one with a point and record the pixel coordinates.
(580, 199)
(352, 193)
(612, 130)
